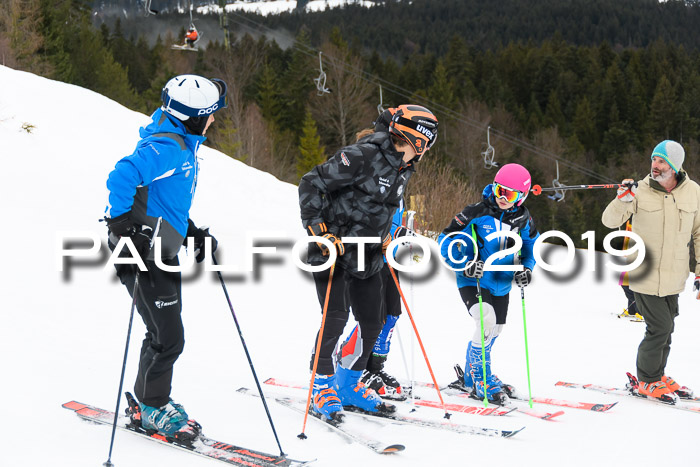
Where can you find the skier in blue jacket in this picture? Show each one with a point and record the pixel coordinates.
(151, 192)
(501, 209)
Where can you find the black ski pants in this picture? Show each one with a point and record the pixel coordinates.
(364, 296)
(158, 301)
(392, 297)
(659, 314)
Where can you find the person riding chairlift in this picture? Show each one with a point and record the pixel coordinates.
(191, 36)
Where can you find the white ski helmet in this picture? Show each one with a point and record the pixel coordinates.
(188, 96)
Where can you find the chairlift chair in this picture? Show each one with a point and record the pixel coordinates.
(380, 107)
(490, 153)
(558, 194)
(149, 11)
(321, 80)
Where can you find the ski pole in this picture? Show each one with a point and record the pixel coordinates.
(538, 190)
(302, 435)
(527, 355)
(483, 344)
(108, 462)
(420, 342)
(409, 374)
(247, 354)
(405, 364)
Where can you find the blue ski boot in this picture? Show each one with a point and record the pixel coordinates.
(468, 380)
(168, 421)
(353, 393)
(326, 401)
(493, 390)
(190, 421)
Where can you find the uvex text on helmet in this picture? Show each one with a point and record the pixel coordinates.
(416, 125)
(188, 96)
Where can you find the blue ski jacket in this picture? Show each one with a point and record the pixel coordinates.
(487, 218)
(158, 180)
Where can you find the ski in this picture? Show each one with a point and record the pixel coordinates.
(629, 392)
(631, 318)
(468, 409)
(524, 410)
(516, 396)
(593, 407)
(349, 430)
(458, 388)
(202, 446)
(352, 412)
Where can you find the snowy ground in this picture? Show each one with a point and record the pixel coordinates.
(62, 335)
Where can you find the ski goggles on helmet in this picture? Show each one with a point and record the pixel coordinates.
(507, 194)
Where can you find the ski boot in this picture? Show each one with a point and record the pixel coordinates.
(166, 421)
(353, 393)
(391, 387)
(682, 392)
(479, 365)
(463, 382)
(190, 421)
(325, 400)
(509, 389)
(383, 384)
(495, 394)
(656, 390)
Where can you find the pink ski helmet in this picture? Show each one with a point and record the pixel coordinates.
(512, 182)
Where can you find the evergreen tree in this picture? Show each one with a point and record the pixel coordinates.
(663, 111)
(311, 153)
(20, 35)
(459, 68)
(441, 90)
(297, 83)
(584, 124)
(553, 115)
(268, 95)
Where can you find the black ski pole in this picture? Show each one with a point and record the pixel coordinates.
(108, 462)
(538, 190)
(247, 354)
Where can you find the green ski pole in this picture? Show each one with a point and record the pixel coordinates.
(481, 317)
(527, 356)
(483, 346)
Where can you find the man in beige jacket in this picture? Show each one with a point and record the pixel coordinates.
(665, 206)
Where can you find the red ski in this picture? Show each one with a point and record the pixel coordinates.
(468, 409)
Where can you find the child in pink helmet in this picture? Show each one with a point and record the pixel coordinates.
(501, 209)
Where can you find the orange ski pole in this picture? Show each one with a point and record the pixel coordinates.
(420, 342)
(302, 435)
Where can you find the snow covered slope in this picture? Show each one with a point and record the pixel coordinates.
(62, 335)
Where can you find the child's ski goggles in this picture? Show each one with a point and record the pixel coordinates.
(507, 194)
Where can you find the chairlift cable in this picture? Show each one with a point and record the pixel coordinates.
(398, 90)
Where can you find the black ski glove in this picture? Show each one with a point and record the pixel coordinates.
(474, 270)
(696, 287)
(199, 236)
(123, 226)
(523, 278)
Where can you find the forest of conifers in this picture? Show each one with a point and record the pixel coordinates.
(594, 84)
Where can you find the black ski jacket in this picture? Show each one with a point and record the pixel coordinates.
(355, 193)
